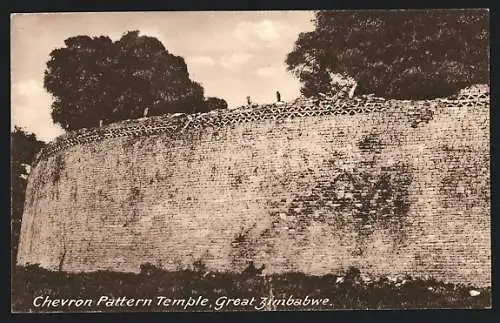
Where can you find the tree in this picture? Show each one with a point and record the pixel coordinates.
(412, 54)
(24, 147)
(95, 79)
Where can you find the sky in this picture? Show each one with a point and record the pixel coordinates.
(232, 54)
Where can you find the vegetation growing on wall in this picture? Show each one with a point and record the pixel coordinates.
(57, 169)
(243, 247)
(370, 143)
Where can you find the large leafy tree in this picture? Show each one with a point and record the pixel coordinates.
(24, 147)
(95, 79)
(412, 54)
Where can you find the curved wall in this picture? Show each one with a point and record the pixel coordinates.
(315, 193)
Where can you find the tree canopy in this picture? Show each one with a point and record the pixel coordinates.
(94, 78)
(410, 54)
(213, 103)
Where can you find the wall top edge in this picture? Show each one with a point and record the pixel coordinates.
(324, 105)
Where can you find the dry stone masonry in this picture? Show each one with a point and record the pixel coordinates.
(314, 185)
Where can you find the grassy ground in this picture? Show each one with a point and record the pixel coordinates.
(351, 290)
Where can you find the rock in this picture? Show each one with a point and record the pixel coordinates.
(474, 293)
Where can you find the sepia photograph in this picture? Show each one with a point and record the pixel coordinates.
(229, 161)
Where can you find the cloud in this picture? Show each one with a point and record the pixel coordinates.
(151, 32)
(264, 32)
(201, 61)
(31, 109)
(228, 38)
(143, 31)
(266, 71)
(234, 60)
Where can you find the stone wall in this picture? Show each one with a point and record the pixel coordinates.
(391, 187)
